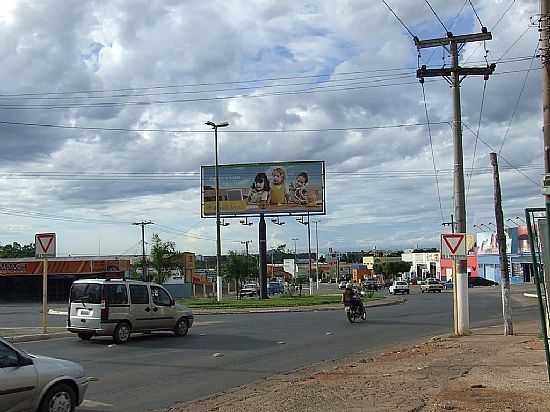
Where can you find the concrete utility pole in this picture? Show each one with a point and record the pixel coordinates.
(317, 252)
(295, 264)
(145, 274)
(246, 243)
(454, 76)
(219, 285)
(501, 239)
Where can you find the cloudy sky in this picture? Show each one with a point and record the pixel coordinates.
(263, 66)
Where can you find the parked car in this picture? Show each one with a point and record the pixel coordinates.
(431, 285)
(399, 286)
(118, 308)
(36, 383)
(274, 288)
(479, 281)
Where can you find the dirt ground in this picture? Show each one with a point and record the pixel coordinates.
(484, 372)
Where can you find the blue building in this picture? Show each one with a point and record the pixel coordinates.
(520, 263)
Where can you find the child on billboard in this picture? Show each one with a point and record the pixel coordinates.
(278, 194)
(298, 190)
(259, 191)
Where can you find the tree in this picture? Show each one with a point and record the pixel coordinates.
(392, 268)
(15, 250)
(238, 266)
(161, 257)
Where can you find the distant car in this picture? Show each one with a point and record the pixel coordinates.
(431, 285)
(479, 281)
(388, 283)
(274, 288)
(342, 285)
(36, 383)
(370, 285)
(419, 282)
(399, 286)
(248, 292)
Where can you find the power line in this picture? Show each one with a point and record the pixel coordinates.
(432, 149)
(310, 90)
(503, 158)
(437, 16)
(518, 100)
(477, 136)
(503, 14)
(399, 20)
(140, 130)
(475, 12)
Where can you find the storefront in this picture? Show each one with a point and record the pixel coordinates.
(21, 279)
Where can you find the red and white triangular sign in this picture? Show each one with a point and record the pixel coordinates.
(453, 244)
(45, 245)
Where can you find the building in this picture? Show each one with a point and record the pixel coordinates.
(21, 279)
(518, 251)
(424, 264)
(360, 272)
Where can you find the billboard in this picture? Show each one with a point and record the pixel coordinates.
(277, 188)
(487, 243)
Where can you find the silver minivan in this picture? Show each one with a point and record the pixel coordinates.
(117, 308)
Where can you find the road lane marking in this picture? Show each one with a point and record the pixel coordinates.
(95, 404)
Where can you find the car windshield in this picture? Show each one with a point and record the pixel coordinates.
(86, 293)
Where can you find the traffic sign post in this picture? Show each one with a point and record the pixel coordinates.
(453, 246)
(45, 247)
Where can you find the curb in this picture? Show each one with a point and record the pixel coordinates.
(38, 337)
(288, 309)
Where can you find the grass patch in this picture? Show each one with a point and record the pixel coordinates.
(231, 302)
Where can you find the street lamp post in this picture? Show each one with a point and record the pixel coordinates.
(295, 264)
(218, 240)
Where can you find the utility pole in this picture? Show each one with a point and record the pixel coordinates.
(317, 253)
(295, 264)
(501, 239)
(454, 76)
(145, 274)
(246, 243)
(544, 30)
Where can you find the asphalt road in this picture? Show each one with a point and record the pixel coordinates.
(152, 372)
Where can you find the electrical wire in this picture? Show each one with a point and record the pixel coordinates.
(518, 100)
(475, 12)
(437, 16)
(399, 20)
(477, 136)
(310, 90)
(503, 158)
(176, 131)
(432, 149)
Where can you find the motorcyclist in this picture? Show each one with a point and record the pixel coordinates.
(351, 298)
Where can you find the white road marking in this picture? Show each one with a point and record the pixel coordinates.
(95, 404)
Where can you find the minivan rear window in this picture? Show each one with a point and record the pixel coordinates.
(86, 293)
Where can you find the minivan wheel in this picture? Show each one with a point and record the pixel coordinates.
(85, 335)
(181, 328)
(60, 398)
(122, 333)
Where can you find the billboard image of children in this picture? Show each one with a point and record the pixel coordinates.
(298, 190)
(259, 191)
(279, 193)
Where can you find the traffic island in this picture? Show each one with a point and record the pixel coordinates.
(483, 372)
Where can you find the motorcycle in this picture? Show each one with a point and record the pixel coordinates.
(358, 312)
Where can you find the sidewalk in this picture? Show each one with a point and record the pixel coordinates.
(484, 372)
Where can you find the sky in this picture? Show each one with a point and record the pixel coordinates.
(133, 82)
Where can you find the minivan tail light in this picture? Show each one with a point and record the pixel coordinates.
(104, 310)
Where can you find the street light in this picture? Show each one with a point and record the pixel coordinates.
(246, 222)
(218, 240)
(295, 239)
(277, 221)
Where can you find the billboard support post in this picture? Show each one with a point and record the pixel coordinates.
(262, 242)
(309, 255)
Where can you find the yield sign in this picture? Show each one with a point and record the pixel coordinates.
(453, 245)
(44, 245)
